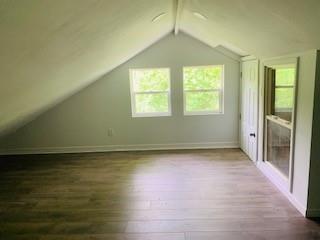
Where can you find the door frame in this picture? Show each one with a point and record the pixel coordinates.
(285, 184)
(246, 59)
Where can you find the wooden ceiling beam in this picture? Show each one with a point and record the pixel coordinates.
(178, 16)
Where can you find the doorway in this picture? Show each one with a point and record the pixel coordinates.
(278, 117)
(249, 107)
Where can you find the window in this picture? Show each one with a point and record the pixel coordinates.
(279, 84)
(203, 90)
(284, 87)
(150, 92)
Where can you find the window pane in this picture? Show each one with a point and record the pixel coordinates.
(283, 98)
(285, 76)
(150, 103)
(202, 101)
(202, 78)
(278, 146)
(145, 80)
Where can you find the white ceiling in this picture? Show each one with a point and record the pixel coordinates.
(263, 28)
(51, 49)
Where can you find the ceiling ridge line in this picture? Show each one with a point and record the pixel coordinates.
(178, 15)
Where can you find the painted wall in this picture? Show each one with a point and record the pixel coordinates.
(304, 115)
(82, 121)
(52, 49)
(303, 128)
(314, 189)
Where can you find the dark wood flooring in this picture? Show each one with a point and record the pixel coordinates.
(169, 195)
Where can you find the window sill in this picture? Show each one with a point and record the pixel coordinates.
(142, 115)
(202, 113)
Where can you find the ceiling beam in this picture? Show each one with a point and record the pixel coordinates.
(178, 15)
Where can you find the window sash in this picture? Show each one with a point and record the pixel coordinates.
(279, 109)
(150, 114)
(219, 90)
(284, 86)
(205, 90)
(202, 67)
(135, 93)
(133, 71)
(151, 92)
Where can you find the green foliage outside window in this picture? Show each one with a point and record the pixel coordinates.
(285, 76)
(202, 86)
(284, 88)
(202, 101)
(202, 78)
(151, 103)
(151, 88)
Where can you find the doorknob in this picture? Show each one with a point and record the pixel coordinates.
(252, 135)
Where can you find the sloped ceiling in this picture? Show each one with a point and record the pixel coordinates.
(263, 28)
(51, 49)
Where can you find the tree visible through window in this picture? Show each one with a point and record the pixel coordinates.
(150, 92)
(284, 87)
(203, 89)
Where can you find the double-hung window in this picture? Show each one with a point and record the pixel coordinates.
(203, 90)
(284, 89)
(150, 92)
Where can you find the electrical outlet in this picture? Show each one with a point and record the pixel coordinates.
(110, 132)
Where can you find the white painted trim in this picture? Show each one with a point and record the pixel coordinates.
(202, 113)
(180, 4)
(220, 90)
(293, 61)
(115, 148)
(248, 58)
(283, 187)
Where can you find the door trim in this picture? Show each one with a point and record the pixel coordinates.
(288, 185)
(248, 59)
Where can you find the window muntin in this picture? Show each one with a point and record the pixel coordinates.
(203, 90)
(150, 92)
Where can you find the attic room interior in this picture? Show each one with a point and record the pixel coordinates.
(162, 120)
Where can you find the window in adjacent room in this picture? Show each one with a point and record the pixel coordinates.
(150, 92)
(279, 84)
(203, 90)
(284, 92)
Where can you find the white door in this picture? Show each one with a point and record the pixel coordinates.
(249, 108)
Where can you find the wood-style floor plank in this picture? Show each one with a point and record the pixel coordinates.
(160, 195)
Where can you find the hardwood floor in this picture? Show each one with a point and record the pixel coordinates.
(169, 195)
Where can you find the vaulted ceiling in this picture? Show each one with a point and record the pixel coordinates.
(51, 49)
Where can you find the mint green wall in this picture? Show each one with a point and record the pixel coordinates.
(82, 121)
(303, 128)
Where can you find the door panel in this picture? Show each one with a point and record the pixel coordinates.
(249, 108)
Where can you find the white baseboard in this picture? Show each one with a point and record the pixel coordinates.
(312, 213)
(115, 148)
(282, 188)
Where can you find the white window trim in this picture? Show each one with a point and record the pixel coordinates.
(133, 94)
(221, 90)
